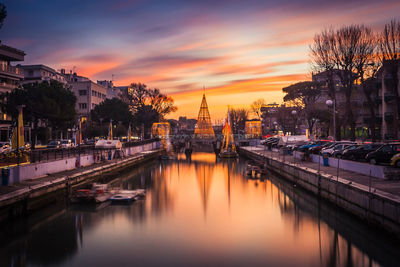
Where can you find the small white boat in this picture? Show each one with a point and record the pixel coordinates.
(128, 195)
(122, 198)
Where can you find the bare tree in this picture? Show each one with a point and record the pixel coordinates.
(3, 14)
(238, 117)
(389, 46)
(304, 95)
(163, 104)
(345, 53)
(256, 107)
(366, 65)
(345, 43)
(323, 60)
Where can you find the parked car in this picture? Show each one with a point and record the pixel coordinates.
(54, 144)
(67, 143)
(339, 153)
(395, 161)
(317, 149)
(383, 154)
(4, 147)
(360, 152)
(306, 146)
(271, 142)
(337, 147)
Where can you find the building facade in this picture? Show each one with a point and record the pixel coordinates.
(10, 78)
(88, 94)
(40, 73)
(389, 105)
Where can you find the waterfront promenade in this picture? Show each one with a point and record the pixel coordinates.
(15, 199)
(391, 186)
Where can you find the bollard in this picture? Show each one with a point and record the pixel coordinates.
(5, 176)
(325, 159)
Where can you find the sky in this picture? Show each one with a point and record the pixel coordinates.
(239, 51)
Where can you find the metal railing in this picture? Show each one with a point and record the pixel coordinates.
(11, 70)
(52, 154)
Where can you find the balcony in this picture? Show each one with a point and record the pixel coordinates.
(389, 117)
(8, 70)
(389, 97)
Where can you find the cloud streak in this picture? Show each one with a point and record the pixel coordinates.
(240, 50)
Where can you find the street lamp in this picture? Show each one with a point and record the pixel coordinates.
(101, 127)
(332, 103)
(294, 112)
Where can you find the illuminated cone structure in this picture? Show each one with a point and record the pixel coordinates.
(204, 128)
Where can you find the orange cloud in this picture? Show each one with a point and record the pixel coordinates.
(239, 93)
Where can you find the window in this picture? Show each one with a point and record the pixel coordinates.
(387, 148)
(82, 92)
(82, 106)
(30, 73)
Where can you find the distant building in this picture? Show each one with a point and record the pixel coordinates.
(73, 77)
(186, 125)
(10, 78)
(40, 73)
(120, 91)
(88, 94)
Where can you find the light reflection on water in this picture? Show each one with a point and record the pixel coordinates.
(203, 212)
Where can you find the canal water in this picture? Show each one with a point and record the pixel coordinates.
(203, 212)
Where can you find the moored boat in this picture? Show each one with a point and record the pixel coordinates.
(228, 154)
(127, 196)
(97, 194)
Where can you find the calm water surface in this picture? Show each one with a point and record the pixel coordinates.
(199, 213)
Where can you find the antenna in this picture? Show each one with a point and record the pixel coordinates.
(204, 89)
(112, 77)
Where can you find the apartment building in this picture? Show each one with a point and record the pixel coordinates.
(88, 94)
(40, 73)
(10, 78)
(388, 106)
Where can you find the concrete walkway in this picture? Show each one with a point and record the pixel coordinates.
(385, 185)
(22, 188)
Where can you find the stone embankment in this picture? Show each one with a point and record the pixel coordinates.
(375, 200)
(30, 194)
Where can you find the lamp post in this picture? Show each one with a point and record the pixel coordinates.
(332, 103)
(275, 126)
(294, 113)
(101, 127)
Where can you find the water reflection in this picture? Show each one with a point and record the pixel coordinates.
(198, 212)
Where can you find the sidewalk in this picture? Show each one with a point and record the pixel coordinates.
(385, 185)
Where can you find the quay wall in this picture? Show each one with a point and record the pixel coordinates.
(41, 169)
(33, 197)
(374, 206)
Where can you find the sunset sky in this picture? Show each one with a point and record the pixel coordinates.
(239, 50)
